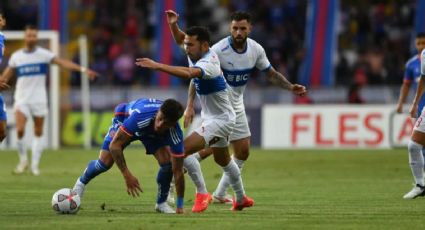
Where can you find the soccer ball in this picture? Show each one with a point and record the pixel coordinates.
(65, 201)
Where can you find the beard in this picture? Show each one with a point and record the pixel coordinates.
(238, 41)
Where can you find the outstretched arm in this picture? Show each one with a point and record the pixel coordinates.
(178, 71)
(116, 147)
(172, 18)
(75, 67)
(278, 79)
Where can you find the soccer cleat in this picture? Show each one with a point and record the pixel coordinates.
(416, 191)
(246, 203)
(35, 171)
(226, 199)
(79, 188)
(164, 208)
(21, 167)
(201, 202)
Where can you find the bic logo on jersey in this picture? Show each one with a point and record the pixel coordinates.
(237, 78)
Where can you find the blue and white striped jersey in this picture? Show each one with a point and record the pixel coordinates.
(31, 70)
(238, 66)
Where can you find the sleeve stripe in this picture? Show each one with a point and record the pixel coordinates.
(126, 131)
(177, 155)
(267, 68)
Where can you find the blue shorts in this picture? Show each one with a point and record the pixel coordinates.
(152, 144)
(3, 115)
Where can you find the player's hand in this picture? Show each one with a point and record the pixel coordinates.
(133, 186)
(299, 89)
(4, 85)
(92, 74)
(179, 211)
(188, 115)
(147, 63)
(172, 16)
(399, 108)
(413, 111)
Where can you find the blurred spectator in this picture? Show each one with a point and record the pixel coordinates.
(354, 94)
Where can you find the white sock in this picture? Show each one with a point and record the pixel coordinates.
(416, 161)
(22, 150)
(197, 156)
(224, 183)
(194, 170)
(232, 171)
(37, 150)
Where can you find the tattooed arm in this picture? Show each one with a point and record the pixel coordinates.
(278, 79)
(121, 139)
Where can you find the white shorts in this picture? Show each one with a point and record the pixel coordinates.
(216, 132)
(241, 128)
(32, 110)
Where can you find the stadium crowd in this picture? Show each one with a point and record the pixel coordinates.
(374, 36)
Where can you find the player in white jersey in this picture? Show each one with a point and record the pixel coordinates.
(417, 140)
(217, 113)
(239, 57)
(30, 66)
(3, 117)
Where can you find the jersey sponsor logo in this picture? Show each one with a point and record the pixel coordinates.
(31, 70)
(237, 78)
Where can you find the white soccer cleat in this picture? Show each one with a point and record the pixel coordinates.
(416, 191)
(79, 188)
(226, 199)
(35, 171)
(164, 207)
(21, 167)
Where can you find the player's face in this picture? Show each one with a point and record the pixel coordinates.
(30, 37)
(2, 22)
(194, 48)
(420, 44)
(240, 30)
(161, 124)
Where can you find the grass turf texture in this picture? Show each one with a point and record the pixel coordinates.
(317, 189)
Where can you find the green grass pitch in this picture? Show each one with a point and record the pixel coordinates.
(293, 189)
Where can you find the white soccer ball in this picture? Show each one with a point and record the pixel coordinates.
(65, 201)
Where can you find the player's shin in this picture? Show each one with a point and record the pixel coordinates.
(416, 161)
(235, 180)
(223, 185)
(94, 168)
(165, 174)
(194, 170)
(36, 151)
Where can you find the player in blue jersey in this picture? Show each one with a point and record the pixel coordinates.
(412, 74)
(30, 65)
(3, 117)
(417, 140)
(155, 124)
(217, 112)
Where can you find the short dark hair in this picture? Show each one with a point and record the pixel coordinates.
(202, 34)
(420, 35)
(241, 15)
(30, 27)
(172, 110)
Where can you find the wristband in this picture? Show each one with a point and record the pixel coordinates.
(83, 69)
(179, 202)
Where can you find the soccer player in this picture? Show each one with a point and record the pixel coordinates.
(30, 65)
(217, 112)
(3, 116)
(155, 124)
(239, 56)
(417, 140)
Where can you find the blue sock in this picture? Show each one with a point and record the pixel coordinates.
(94, 168)
(165, 174)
